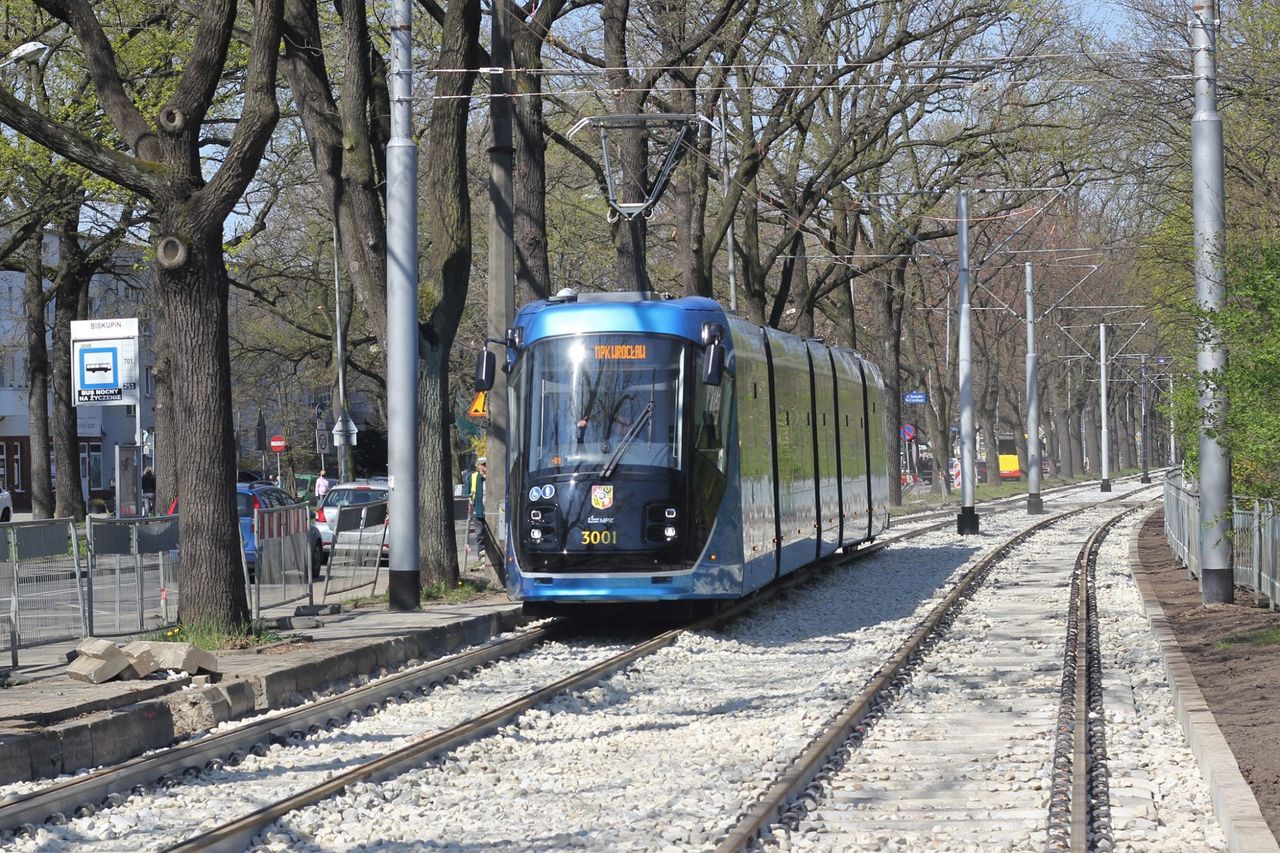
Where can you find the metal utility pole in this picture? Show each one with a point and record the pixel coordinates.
(1146, 437)
(1207, 209)
(404, 586)
(1105, 450)
(1035, 505)
(967, 520)
(724, 168)
(1173, 439)
(502, 266)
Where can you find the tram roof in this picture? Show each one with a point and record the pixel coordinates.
(605, 313)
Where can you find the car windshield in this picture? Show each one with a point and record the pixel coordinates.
(590, 397)
(346, 497)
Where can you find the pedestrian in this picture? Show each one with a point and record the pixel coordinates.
(148, 490)
(322, 486)
(478, 541)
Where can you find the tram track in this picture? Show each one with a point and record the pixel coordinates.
(1078, 815)
(83, 795)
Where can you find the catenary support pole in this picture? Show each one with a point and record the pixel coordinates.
(502, 267)
(1173, 438)
(1035, 505)
(1207, 210)
(726, 177)
(403, 581)
(967, 520)
(1105, 449)
(1146, 434)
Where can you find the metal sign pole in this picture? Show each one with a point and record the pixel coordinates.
(1105, 451)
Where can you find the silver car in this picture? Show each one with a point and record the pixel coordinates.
(344, 494)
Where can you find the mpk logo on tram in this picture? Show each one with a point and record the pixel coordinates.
(602, 497)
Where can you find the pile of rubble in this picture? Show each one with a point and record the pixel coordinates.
(98, 660)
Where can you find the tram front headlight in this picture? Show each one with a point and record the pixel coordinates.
(535, 534)
(669, 531)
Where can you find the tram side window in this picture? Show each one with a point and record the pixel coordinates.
(713, 412)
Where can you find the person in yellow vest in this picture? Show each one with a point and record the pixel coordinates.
(475, 505)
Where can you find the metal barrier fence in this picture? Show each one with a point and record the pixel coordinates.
(1255, 542)
(41, 578)
(282, 562)
(358, 549)
(133, 574)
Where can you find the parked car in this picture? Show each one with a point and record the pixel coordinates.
(344, 494)
(257, 495)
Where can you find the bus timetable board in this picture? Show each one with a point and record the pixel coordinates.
(104, 362)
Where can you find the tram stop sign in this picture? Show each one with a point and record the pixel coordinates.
(277, 443)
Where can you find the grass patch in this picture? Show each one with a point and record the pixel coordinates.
(1262, 637)
(442, 593)
(214, 639)
(368, 600)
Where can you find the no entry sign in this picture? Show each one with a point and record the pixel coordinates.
(277, 443)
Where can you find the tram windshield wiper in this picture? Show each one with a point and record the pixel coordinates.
(609, 467)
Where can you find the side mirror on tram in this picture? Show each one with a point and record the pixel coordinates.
(713, 364)
(484, 370)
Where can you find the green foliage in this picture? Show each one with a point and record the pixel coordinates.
(1250, 327)
(443, 593)
(1261, 637)
(214, 638)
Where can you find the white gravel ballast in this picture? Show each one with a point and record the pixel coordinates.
(661, 757)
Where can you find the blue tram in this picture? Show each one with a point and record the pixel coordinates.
(664, 450)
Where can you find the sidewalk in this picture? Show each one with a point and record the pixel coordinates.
(50, 724)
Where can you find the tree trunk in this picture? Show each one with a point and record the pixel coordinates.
(533, 267)
(1092, 442)
(448, 271)
(1123, 428)
(72, 291)
(195, 298)
(33, 301)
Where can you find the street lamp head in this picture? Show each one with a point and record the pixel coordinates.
(30, 51)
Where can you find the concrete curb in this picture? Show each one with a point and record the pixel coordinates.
(1237, 809)
(251, 685)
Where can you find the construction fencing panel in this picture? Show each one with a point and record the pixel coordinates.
(133, 574)
(359, 545)
(283, 559)
(1255, 543)
(42, 578)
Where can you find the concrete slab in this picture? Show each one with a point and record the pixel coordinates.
(51, 725)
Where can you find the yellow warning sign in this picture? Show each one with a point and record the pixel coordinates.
(479, 406)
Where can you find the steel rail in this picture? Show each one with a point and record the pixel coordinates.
(82, 793)
(775, 803)
(1079, 797)
(108, 787)
(1017, 500)
(237, 834)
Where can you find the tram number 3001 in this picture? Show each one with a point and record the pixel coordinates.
(599, 537)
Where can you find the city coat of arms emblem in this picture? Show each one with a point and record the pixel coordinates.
(602, 497)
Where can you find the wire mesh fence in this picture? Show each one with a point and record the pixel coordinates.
(42, 579)
(282, 556)
(1255, 543)
(358, 549)
(133, 574)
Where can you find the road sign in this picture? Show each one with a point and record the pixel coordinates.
(908, 432)
(479, 406)
(277, 443)
(104, 359)
(915, 398)
(344, 431)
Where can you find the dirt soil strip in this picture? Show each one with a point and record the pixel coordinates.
(1233, 652)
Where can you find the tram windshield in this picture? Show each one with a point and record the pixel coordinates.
(593, 403)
